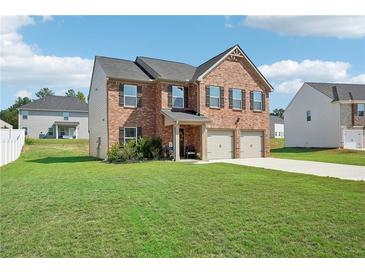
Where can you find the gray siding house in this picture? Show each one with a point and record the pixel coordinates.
(57, 117)
(327, 115)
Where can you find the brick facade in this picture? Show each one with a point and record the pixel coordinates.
(357, 120)
(229, 74)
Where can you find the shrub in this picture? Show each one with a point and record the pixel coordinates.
(29, 141)
(143, 148)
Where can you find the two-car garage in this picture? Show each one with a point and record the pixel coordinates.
(220, 144)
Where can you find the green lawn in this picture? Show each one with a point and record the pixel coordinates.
(56, 202)
(339, 156)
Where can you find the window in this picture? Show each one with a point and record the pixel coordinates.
(236, 98)
(257, 100)
(66, 115)
(25, 131)
(130, 133)
(309, 116)
(130, 95)
(50, 131)
(360, 110)
(62, 131)
(177, 97)
(214, 97)
(25, 114)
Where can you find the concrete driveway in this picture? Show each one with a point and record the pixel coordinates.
(348, 172)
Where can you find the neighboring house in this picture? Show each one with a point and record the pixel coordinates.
(4, 124)
(326, 115)
(218, 109)
(55, 117)
(276, 127)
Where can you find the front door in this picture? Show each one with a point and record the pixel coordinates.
(71, 132)
(182, 146)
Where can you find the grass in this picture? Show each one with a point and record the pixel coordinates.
(57, 202)
(338, 156)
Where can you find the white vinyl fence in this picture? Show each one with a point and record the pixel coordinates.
(11, 144)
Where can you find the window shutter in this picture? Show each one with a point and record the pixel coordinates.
(121, 135)
(263, 101)
(139, 132)
(230, 97)
(207, 96)
(186, 97)
(121, 95)
(251, 100)
(169, 96)
(221, 97)
(139, 96)
(243, 102)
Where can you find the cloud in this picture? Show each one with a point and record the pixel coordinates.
(23, 93)
(23, 67)
(319, 26)
(288, 75)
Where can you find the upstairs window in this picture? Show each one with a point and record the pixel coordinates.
(177, 97)
(257, 100)
(25, 114)
(66, 115)
(236, 98)
(214, 97)
(309, 116)
(360, 110)
(130, 95)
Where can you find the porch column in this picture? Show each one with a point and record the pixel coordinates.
(56, 131)
(204, 137)
(176, 141)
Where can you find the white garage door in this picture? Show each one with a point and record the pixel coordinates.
(352, 139)
(220, 144)
(251, 144)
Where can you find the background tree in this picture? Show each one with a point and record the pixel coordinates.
(71, 93)
(278, 112)
(81, 96)
(10, 115)
(43, 92)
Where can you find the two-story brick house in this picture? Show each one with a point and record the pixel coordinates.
(219, 109)
(326, 115)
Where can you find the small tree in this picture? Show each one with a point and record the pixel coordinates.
(43, 92)
(278, 112)
(10, 115)
(70, 93)
(81, 96)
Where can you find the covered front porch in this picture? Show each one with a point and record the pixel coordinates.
(66, 130)
(189, 134)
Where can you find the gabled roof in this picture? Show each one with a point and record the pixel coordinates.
(122, 69)
(147, 69)
(276, 120)
(60, 103)
(164, 69)
(340, 92)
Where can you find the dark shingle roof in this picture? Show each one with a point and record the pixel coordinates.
(164, 69)
(208, 64)
(338, 92)
(122, 69)
(184, 116)
(276, 120)
(57, 103)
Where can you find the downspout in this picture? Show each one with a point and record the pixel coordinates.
(197, 98)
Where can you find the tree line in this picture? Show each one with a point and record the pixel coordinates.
(10, 115)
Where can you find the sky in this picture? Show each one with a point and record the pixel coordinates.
(58, 51)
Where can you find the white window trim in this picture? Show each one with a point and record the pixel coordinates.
(183, 97)
(240, 100)
(310, 115)
(64, 116)
(358, 112)
(27, 114)
(52, 131)
(130, 138)
(219, 97)
(253, 101)
(124, 95)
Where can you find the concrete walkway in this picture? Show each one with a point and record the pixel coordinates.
(348, 172)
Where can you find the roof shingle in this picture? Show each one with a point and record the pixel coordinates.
(59, 103)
